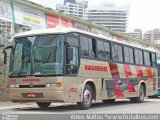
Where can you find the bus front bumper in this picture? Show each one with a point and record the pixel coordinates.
(36, 95)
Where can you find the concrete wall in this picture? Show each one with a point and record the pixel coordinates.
(3, 79)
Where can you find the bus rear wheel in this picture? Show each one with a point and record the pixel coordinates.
(141, 96)
(43, 105)
(87, 98)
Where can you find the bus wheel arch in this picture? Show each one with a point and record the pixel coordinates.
(88, 94)
(144, 85)
(141, 93)
(86, 98)
(93, 87)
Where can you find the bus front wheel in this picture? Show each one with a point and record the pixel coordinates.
(87, 98)
(43, 105)
(141, 96)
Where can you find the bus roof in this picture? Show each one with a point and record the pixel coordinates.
(67, 30)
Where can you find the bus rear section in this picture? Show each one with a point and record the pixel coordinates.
(158, 91)
(158, 85)
(77, 67)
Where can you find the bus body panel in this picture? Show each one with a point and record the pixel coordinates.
(108, 79)
(111, 80)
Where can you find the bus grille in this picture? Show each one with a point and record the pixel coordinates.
(34, 86)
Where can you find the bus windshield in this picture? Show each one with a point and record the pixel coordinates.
(37, 55)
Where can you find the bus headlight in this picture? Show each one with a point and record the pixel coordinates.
(14, 85)
(50, 84)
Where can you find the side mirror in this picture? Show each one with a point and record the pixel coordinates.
(69, 53)
(5, 54)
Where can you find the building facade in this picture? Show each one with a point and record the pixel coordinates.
(5, 31)
(109, 15)
(137, 33)
(70, 1)
(72, 7)
(157, 42)
(152, 35)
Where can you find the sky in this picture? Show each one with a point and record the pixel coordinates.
(143, 14)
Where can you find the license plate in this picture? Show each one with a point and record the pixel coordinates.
(31, 95)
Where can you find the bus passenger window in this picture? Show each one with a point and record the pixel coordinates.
(87, 47)
(84, 46)
(107, 51)
(90, 48)
(154, 59)
(100, 50)
(147, 60)
(117, 54)
(103, 50)
(131, 58)
(138, 56)
(128, 55)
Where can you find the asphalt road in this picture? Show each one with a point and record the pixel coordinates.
(150, 106)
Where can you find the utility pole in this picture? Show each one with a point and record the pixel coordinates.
(13, 17)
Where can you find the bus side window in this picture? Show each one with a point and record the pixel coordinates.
(147, 59)
(72, 40)
(138, 56)
(128, 55)
(72, 55)
(72, 60)
(117, 54)
(154, 60)
(87, 47)
(103, 50)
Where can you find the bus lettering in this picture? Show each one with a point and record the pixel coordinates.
(96, 68)
(30, 80)
(73, 90)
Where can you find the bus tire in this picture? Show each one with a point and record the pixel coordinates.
(109, 101)
(43, 105)
(87, 98)
(140, 98)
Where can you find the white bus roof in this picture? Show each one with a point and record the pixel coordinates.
(67, 30)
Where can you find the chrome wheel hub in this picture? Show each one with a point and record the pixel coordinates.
(87, 96)
(141, 94)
